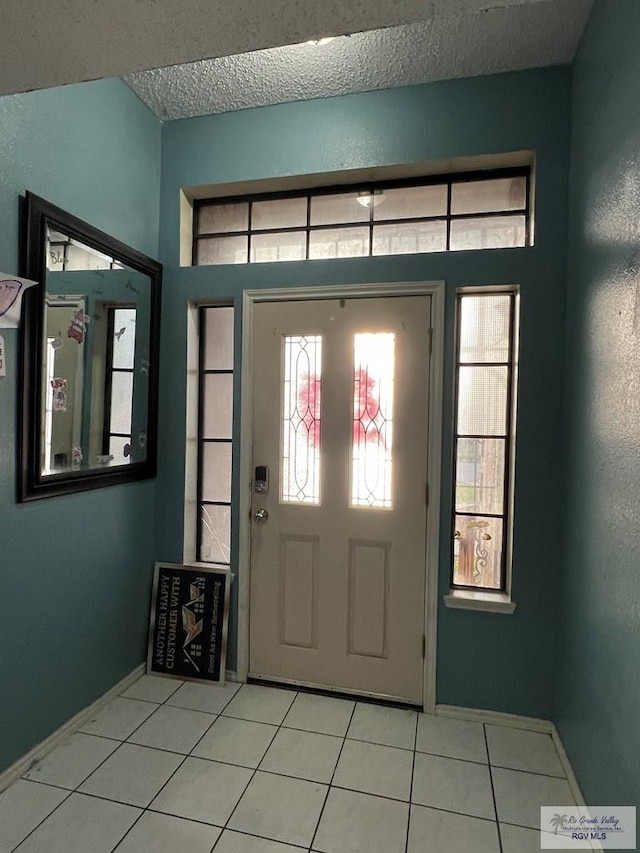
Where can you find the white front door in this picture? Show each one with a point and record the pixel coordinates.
(340, 414)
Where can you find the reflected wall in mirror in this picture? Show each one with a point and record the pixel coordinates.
(90, 338)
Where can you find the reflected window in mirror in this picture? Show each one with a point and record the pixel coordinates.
(90, 357)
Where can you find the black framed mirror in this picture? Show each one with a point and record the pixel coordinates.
(90, 335)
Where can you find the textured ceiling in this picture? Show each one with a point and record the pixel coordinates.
(466, 41)
(49, 44)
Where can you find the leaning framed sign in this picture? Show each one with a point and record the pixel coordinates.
(189, 622)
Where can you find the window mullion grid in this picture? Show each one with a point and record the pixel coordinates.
(108, 382)
(506, 500)
(506, 439)
(202, 441)
(448, 217)
(448, 246)
(201, 375)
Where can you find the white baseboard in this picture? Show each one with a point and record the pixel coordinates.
(529, 724)
(498, 718)
(230, 675)
(19, 768)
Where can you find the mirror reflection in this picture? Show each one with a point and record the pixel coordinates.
(96, 359)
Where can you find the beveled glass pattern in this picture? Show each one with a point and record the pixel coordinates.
(372, 459)
(477, 551)
(301, 413)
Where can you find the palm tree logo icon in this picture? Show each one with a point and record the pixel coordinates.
(557, 821)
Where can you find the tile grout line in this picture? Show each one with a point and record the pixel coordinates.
(255, 770)
(46, 817)
(413, 769)
(75, 790)
(330, 785)
(493, 791)
(145, 809)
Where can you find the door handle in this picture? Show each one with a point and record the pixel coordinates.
(261, 516)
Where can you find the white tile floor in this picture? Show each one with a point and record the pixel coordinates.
(169, 767)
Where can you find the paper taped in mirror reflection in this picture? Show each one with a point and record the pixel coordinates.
(11, 290)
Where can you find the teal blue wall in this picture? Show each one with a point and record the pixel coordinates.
(484, 660)
(598, 691)
(74, 571)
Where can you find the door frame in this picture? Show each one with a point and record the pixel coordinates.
(435, 289)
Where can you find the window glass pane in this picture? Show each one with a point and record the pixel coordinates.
(339, 243)
(410, 238)
(484, 327)
(216, 471)
(280, 213)
(218, 405)
(214, 218)
(83, 258)
(121, 399)
(124, 337)
(215, 543)
(289, 246)
(218, 339)
(334, 209)
(372, 419)
(480, 475)
(477, 553)
(300, 457)
(222, 250)
(411, 201)
(489, 232)
(487, 196)
(120, 449)
(482, 400)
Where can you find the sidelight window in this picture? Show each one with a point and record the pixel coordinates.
(486, 371)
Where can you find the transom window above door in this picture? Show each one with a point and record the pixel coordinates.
(472, 210)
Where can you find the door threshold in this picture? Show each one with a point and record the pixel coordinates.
(335, 692)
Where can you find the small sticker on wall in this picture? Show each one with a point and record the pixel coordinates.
(78, 326)
(59, 386)
(3, 363)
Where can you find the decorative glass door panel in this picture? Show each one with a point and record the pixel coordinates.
(372, 419)
(340, 413)
(301, 399)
